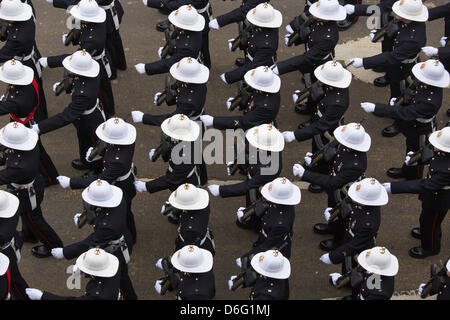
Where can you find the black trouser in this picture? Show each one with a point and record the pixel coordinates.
(18, 283)
(86, 126)
(126, 286)
(412, 130)
(114, 47)
(322, 166)
(337, 226)
(46, 166)
(434, 209)
(396, 74)
(106, 95)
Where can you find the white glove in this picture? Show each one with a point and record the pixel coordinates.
(214, 189)
(160, 50)
(58, 253)
(158, 286)
(240, 213)
(151, 153)
(230, 44)
(408, 157)
(443, 41)
(229, 102)
(230, 282)
(229, 167)
(74, 269)
(222, 76)
(140, 68)
(34, 294)
(288, 136)
(326, 258)
(163, 208)
(430, 51)
(286, 39)
(213, 24)
(274, 69)
(372, 35)
(392, 101)
(140, 186)
(207, 120)
(421, 287)
(298, 170)
(308, 158)
(368, 106)
(327, 214)
(156, 97)
(63, 38)
(49, 1)
(295, 95)
(350, 8)
(357, 62)
(159, 264)
(76, 217)
(289, 29)
(64, 181)
(35, 128)
(238, 262)
(43, 62)
(137, 116)
(334, 277)
(145, 2)
(88, 153)
(387, 186)
(56, 84)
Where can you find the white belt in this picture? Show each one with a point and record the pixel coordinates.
(446, 188)
(22, 186)
(198, 116)
(249, 57)
(190, 173)
(119, 244)
(351, 233)
(87, 112)
(31, 195)
(319, 114)
(105, 62)
(28, 57)
(309, 3)
(421, 120)
(113, 13)
(203, 9)
(125, 177)
(411, 60)
(7, 245)
(207, 236)
(265, 234)
(327, 56)
(12, 244)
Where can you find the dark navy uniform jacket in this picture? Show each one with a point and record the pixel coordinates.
(408, 42)
(238, 14)
(320, 48)
(192, 229)
(109, 225)
(84, 97)
(276, 229)
(263, 108)
(4, 286)
(257, 178)
(64, 4)
(19, 100)
(172, 5)
(92, 39)
(383, 293)
(98, 288)
(441, 12)
(430, 188)
(424, 105)
(443, 293)
(348, 166)
(330, 110)
(196, 286)
(191, 98)
(363, 225)
(270, 289)
(117, 163)
(187, 44)
(262, 47)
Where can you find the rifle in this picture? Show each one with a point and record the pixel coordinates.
(170, 42)
(315, 91)
(437, 280)
(172, 279)
(243, 96)
(66, 84)
(343, 209)
(73, 37)
(352, 275)
(408, 92)
(87, 216)
(99, 149)
(327, 152)
(301, 29)
(425, 152)
(163, 147)
(258, 207)
(3, 30)
(388, 30)
(169, 94)
(3, 151)
(242, 39)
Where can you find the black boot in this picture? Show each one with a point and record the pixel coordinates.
(79, 165)
(395, 173)
(41, 251)
(314, 188)
(163, 25)
(239, 62)
(420, 253)
(415, 232)
(328, 245)
(381, 81)
(322, 228)
(391, 131)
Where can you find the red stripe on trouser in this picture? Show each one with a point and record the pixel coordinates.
(45, 172)
(432, 231)
(17, 290)
(8, 275)
(121, 293)
(38, 231)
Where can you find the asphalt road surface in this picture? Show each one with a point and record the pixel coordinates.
(309, 278)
